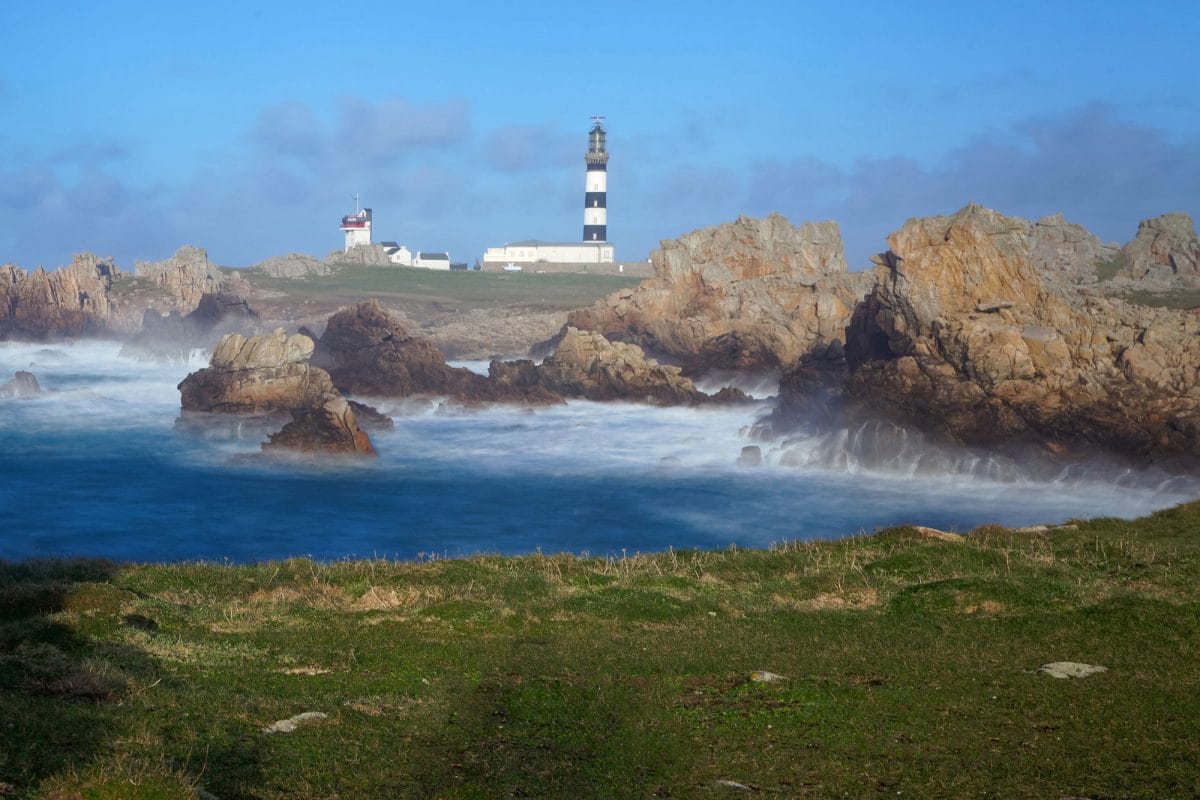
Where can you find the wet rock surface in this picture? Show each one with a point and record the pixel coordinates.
(22, 384)
(328, 429)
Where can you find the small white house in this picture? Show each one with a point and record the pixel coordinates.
(398, 253)
(432, 260)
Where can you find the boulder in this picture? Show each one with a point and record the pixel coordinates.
(256, 374)
(327, 429)
(751, 294)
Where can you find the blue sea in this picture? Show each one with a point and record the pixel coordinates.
(98, 465)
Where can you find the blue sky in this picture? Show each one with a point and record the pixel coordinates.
(131, 128)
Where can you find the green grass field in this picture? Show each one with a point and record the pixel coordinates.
(911, 665)
(470, 289)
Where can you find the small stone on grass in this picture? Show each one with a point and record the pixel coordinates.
(290, 724)
(762, 676)
(1070, 669)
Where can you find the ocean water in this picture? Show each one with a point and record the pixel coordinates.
(98, 466)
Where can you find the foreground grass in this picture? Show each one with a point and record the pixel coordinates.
(911, 667)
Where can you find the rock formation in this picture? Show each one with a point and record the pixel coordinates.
(1165, 254)
(270, 373)
(368, 351)
(184, 277)
(1066, 255)
(961, 334)
(171, 336)
(23, 384)
(752, 294)
(587, 365)
(327, 429)
(73, 301)
(256, 374)
(293, 265)
(365, 255)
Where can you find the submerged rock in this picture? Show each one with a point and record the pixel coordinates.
(23, 384)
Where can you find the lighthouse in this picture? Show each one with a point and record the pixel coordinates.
(357, 226)
(595, 206)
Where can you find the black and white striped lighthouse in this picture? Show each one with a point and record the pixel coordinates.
(595, 211)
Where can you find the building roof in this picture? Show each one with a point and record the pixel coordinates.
(434, 256)
(390, 244)
(540, 243)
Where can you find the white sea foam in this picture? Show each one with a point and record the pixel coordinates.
(586, 476)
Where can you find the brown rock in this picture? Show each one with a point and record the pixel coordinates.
(1040, 365)
(184, 277)
(752, 294)
(1165, 254)
(369, 351)
(260, 373)
(589, 366)
(72, 301)
(327, 429)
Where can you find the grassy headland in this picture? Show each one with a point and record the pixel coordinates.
(911, 667)
(459, 289)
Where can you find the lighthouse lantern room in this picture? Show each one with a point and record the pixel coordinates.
(357, 226)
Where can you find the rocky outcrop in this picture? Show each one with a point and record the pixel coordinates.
(369, 351)
(1164, 255)
(961, 334)
(752, 294)
(328, 429)
(271, 373)
(184, 277)
(72, 301)
(172, 336)
(293, 265)
(1067, 256)
(23, 384)
(363, 255)
(586, 365)
(257, 374)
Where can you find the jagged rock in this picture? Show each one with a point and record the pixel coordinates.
(371, 418)
(1165, 254)
(327, 429)
(587, 365)
(1066, 255)
(293, 265)
(752, 294)
(260, 373)
(23, 384)
(1089, 371)
(368, 351)
(72, 301)
(172, 336)
(185, 276)
(367, 255)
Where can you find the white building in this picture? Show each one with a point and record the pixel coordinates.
(432, 260)
(398, 253)
(533, 251)
(357, 227)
